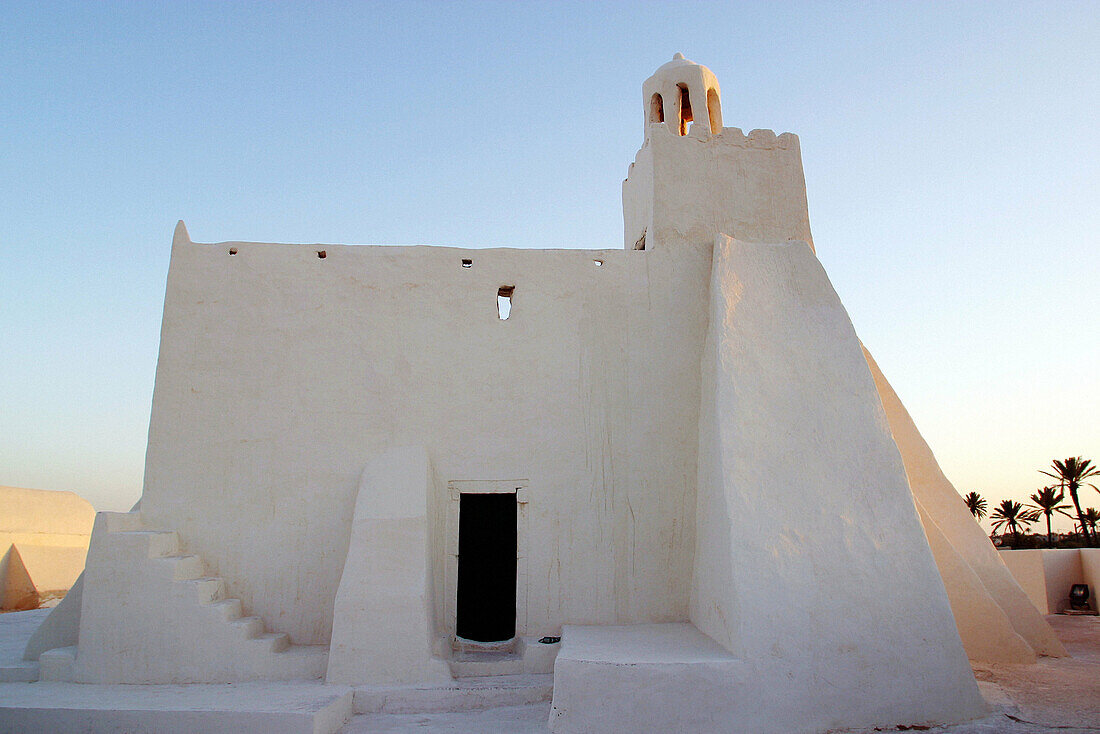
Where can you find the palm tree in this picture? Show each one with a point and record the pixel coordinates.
(1047, 501)
(1012, 515)
(1071, 474)
(976, 504)
(1092, 517)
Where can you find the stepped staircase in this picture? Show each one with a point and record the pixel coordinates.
(515, 673)
(157, 617)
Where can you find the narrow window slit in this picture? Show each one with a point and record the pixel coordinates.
(656, 109)
(467, 263)
(504, 301)
(685, 109)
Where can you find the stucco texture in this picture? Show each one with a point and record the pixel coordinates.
(976, 578)
(837, 609)
(658, 410)
(281, 374)
(1046, 575)
(44, 538)
(383, 629)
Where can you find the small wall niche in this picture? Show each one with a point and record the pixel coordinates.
(232, 250)
(322, 254)
(467, 263)
(504, 301)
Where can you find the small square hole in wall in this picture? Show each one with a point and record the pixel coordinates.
(467, 263)
(322, 254)
(504, 301)
(232, 250)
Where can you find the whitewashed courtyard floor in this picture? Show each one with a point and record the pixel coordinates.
(1056, 696)
(15, 629)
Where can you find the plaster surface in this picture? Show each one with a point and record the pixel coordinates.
(656, 410)
(681, 91)
(1046, 575)
(281, 375)
(44, 539)
(61, 628)
(151, 615)
(17, 590)
(1054, 696)
(271, 708)
(647, 678)
(528, 719)
(1090, 570)
(460, 694)
(791, 417)
(690, 189)
(986, 631)
(15, 629)
(1057, 696)
(383, 629)
(988, 636)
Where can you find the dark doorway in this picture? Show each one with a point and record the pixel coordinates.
(486, 567)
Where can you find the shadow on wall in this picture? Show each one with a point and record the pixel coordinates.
(1046, 575)
(17, 591)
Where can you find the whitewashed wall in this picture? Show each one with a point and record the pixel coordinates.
(282, 374)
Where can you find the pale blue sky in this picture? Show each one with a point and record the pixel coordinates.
(950, 151)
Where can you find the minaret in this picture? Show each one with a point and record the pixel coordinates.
(693, 179)
(682, 91)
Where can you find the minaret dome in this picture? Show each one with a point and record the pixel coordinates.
(680, 92)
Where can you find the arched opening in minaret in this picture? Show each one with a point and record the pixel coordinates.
(656, 109)
(714, 110)
(685, 108)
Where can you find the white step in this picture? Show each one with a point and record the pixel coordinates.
(118, 522)
(58, 664)
(162, 543)
(539, 657)
(464, 694)
(268, 707)
(181, 568)
(146, 543)
(209, 589)
(224, 610)
(521, 656)
(481, 664)
(19, 671)
(245, 647)
(297, 662)
(249, 628)
(273, 642)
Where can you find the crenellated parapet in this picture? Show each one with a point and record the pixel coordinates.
(693, 178)
(684, 190)
(760, 139)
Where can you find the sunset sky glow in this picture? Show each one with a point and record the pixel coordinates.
(951, 156)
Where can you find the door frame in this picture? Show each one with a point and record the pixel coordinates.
(455, 489)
